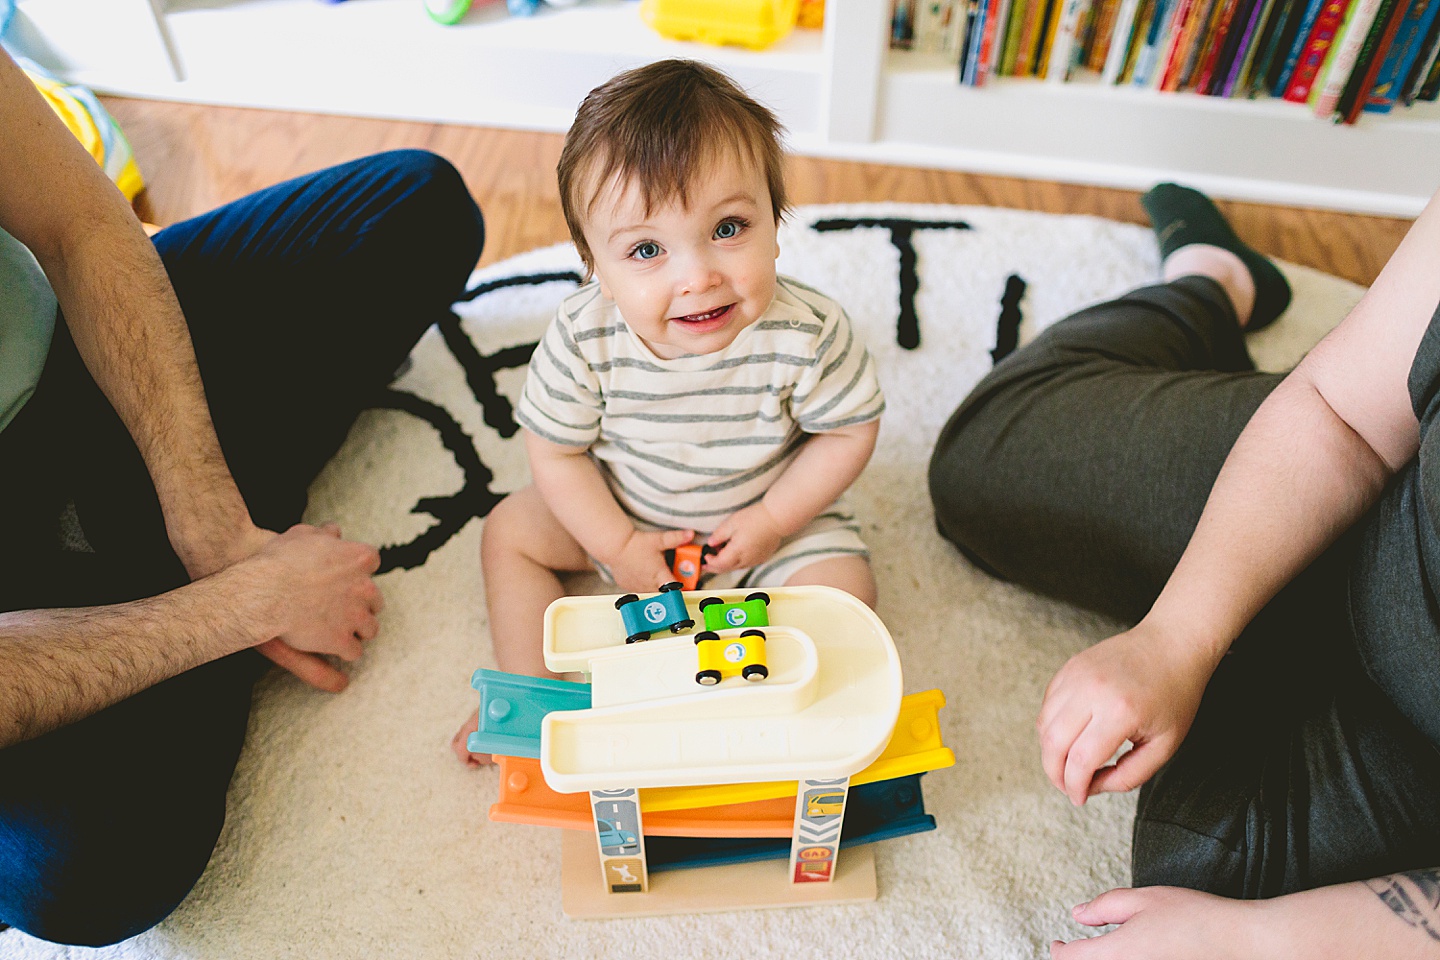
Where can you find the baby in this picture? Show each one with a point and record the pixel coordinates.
(687, 393)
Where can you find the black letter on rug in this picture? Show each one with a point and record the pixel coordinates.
(474, 498)
(1007, 333)
(907, 330)
(479, 369)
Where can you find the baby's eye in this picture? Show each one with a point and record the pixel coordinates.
(645, 250)
(729, 229)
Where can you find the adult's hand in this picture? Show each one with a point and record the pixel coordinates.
(640, 565)
(1142, 686)
(324, 599)
(1168, 923)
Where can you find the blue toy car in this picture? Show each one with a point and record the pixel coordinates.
(653, 614)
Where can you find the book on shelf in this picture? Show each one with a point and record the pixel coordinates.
(1062, 47)
(1119, 41)
(1401, 56)
(1341, 63)
(1098, 50)
(1372, 55)
(1429, 49)
(1282, 32)
(1431, 87)
(1215, 44)
(1297, 47)
(1243, 49)
(1317, 47)
(1048, 25)
(995, 16)
(1229, 47)
(1265, 25)
(1143, 19)
(1189, 19)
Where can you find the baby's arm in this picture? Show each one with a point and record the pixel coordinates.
(825, 467)
(572, 487)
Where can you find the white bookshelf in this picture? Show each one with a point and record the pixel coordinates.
(840, 93)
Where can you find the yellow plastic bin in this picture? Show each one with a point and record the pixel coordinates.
(746, 23)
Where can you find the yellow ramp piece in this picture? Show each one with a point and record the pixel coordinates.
(914, 747)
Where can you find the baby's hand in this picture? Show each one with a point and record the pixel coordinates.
(640, 566)
(749, 537)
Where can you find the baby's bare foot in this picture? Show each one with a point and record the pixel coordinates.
(458, 743)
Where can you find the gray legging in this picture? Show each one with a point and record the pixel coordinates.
(1079, 468)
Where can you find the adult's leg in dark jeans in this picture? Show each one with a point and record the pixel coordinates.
(302, 300)
(1079, 468)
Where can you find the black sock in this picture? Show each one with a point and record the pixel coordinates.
(1182, 216)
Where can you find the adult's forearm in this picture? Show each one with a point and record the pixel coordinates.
(1297, 477)
(1396, 917)
(57, 666)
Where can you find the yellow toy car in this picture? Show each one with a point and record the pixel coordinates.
(742, 656)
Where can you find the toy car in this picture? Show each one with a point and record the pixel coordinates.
(742, 656)
(652, 614)
(752, 612)
(614, 839)
(827, 804)
(686, 563)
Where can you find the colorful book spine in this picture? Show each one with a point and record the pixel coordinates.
(1297, 47)
(1048, 26)
(1150, 50)
(1062, 48)
(1387, 22)
(1204, 79)
(1322, 38)
(1199, 51)
(1430, 89)
(1429, 51)
(1287, 20)
(1269, 13)
(1137, 39)
(998, 15)
(1182, 33)
(972, 36)
(1235, 60)
(1119, 41)
(1010, 50)
(1104, 32)
(1347, 51)
(1403, 54)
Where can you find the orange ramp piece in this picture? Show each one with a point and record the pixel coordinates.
(526, 798)
(727, 810)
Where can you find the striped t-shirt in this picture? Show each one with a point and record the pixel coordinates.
(686, 442)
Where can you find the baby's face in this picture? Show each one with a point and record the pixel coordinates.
(687, 280)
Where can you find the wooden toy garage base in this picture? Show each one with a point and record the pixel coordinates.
(759, 885)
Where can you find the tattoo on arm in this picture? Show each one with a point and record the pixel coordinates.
(1414, 896)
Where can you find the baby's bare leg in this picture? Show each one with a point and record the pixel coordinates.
(851, 574)
(521, 552)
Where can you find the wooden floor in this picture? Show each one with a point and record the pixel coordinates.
(195, 157)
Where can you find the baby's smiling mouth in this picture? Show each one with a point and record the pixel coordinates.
(706, 317)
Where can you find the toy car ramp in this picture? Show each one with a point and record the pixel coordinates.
(827, 710)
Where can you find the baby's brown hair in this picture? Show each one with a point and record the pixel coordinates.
(660, 127)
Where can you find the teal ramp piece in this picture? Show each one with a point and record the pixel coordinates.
(512, 706)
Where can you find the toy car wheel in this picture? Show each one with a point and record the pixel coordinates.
(682, 625)
(707, 678)
(756, 671)
(637, 637)
(672, 585)
(758, 595)
(706, 635)
(628, 598)
(754, 633)
(709, 602)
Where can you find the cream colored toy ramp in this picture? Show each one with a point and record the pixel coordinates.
(827, 709)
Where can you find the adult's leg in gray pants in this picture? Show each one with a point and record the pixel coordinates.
(1079, 468)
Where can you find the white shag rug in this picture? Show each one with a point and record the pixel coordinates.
(354, 833)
